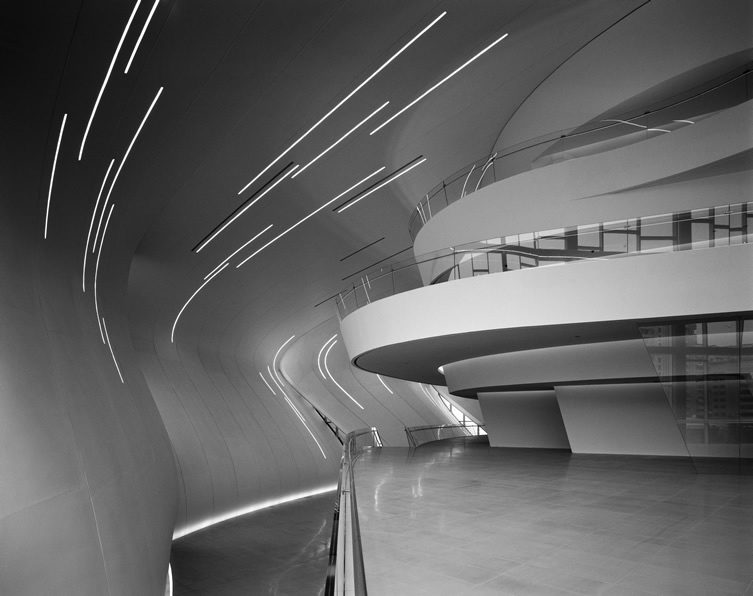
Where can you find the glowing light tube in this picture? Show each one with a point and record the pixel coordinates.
(172, 333)
(277, 353)
(267, 384)
(319, 356)
(342, 101)
(141, 36)
(624, 122)
(342, 138)
(386, 181)
(112, 353)
(169, 580)
(295, 225)
(96, 273)
(333, 378)
(130, 145)
(444, 80)
(300, 416)
(107, 78)
(219, 230)
(52, 174)
(221, 517)
(242, 247)
(385, 385)
(91, 224)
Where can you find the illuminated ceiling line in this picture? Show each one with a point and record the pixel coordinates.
(385, 384)
(244, 245)
(342, 194)
(326, 354)
(266, 383)
(444, 80)
(112, 353)
(172, 333)
(96, 272)
(107, 78)
(127, 153)
(274, 181)
(319, 356)
(342, 101)
(394, 176)
(141, 36)
(91, 223)
(342, 138)
(52, 174)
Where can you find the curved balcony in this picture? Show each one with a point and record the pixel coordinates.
(685, 230)
(611, 132)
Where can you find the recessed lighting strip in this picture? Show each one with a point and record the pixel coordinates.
(91, 223)
(444, 80)
(251, 509)
(385, 384)
(266, 383)
(96, 273)
(141, 36)
(295, 225)
(128, 151)
(107, 78)
(274, 181)
(377, 185)
(326, 354)
(342, 138)
(52, 174)
(172, 333)
(624, 122)
(300, 416)
(112, 353)
(243, 246)
(319, 356)
(277, 353)
(342, 101)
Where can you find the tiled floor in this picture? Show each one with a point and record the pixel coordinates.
(281, 550)
(461, 518)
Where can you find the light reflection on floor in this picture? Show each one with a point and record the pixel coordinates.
(461, 518)
(281, 550)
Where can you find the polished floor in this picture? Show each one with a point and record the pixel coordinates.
(459, 517)
(283, 550)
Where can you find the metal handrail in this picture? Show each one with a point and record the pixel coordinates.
(346, 573)
(623, 124)
(412, 431)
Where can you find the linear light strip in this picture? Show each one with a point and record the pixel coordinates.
(277, 353)
(326, 354)
(266, 383)
(251, 509)
(444, 80)
(346, 98)
(169, 580)
(342, 138)
(319, 356)
(624, 122)
(112, 353)
(141, 36)
(287, 173)
(91, 223)
(244, 245)
(300, 416)
(107, 78)
(385, 384)
(389, 179)
(172, 333)
(130, 145)
(52, 174)
(342, 194)
(96, 273)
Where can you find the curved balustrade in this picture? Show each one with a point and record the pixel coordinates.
(685, 230)
(346, 572)
(609, 133)
(418, 435)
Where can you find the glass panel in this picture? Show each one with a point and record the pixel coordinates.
(615, 242)
(663, 244)
(701, 234)
(657, 226)
(722, 334)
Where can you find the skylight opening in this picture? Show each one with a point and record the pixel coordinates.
(52, 174)
(444, 80)
(107, 78)
(342, 101)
